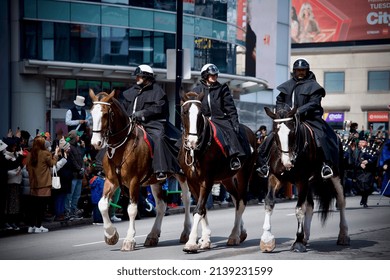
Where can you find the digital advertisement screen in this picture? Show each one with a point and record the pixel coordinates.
(317, 21)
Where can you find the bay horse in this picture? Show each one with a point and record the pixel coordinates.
(294, 158)
(204, 163)
(128, 162)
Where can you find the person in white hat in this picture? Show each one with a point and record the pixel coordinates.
(77, 118)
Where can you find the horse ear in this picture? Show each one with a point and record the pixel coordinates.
(269, 113)
(92, 95)
(112, 94)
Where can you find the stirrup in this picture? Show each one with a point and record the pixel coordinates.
(323, 169)
(161, 176)
(263, 171)
(237, 161)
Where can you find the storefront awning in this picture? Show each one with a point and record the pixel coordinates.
(72, 70)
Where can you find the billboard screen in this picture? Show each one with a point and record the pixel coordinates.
(320, 21)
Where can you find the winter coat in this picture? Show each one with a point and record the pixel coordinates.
(65, 172)
(75, 159)
(40, 175)
(218, 105)
(14, 167)
(97, 185)
(307, 97)
(150, 103)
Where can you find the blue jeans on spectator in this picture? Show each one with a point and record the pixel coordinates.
(59, 204)
(72, 199)
(210, 201)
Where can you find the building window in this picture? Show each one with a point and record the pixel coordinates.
(378, 80)
(334, 82)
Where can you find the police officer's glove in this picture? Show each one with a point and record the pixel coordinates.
(137, 116)
(236, 128)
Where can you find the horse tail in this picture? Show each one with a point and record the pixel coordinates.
(325, 193)
(325, 190)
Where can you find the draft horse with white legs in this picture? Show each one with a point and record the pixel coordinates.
(204, 163)
(294, 158)
(128, 162)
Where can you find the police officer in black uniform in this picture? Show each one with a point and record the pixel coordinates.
(303, 91)
(218, 105)
(148, 104)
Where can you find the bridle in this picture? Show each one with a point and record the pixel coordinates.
(108, 134)
(295, 147)
(187, 147)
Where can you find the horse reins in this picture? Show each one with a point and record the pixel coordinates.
(186, 147)
(117, 145)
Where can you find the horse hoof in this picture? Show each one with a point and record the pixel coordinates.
(205, 245)
(128, 246)
(151, 241)
(267, 247)
(243, 236)
(192, 248)
(298, 247)
(233, 241)
(184, 237)
(112, 240)
(343, 240)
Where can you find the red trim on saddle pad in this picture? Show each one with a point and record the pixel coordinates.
(215, 136)
(147, 140)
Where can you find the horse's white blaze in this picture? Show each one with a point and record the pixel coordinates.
(283, 136)
(97, 115)
(193, 117)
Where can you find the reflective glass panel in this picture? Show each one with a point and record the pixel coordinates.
(141, 19)
(53, 10)
(334, 81)
(85, 13)
(379, 80)
(115, 16)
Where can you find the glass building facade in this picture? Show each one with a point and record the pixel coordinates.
(62, 48)
(130, 33)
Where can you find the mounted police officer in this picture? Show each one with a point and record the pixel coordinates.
(218, 105)
(303, 91)
(148, 104)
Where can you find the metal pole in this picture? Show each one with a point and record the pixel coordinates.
(179, 60)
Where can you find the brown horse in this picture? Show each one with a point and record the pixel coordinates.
(294, 159)
(204, 163)
(128, 162)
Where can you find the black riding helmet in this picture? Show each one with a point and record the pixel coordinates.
(209, 69)
(301, 64)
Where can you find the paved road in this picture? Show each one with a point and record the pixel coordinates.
(369, 230)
